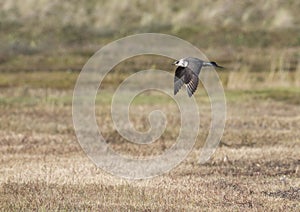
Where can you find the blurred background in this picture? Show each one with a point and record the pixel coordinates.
(54, 35)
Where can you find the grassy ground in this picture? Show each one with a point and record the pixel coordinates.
(256, 166)
(44, 45)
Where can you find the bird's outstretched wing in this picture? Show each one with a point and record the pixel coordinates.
(192, 84)
(185, 76)
(178, 79)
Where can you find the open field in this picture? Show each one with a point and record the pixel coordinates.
(44, 45)
(256, 166)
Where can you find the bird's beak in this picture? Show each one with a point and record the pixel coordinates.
(219, 66)
(175, 62)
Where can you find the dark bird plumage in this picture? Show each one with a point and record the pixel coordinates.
(187, 73)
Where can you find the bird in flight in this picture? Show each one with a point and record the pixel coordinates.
(187, 73)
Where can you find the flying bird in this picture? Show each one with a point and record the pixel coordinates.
(187, 73)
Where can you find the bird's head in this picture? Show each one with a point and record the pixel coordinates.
(181, 62)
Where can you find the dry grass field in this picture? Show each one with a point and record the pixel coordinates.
(256, 166)
(44, 45)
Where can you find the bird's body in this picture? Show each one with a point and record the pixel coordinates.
(187, 73)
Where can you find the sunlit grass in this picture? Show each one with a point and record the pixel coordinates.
(45, 168)
(44, 45)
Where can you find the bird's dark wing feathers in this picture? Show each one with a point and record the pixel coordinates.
(193, 84)
(185, 76)
(178, 79)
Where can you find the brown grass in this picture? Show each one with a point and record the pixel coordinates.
(256, 166)
(44, 45)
